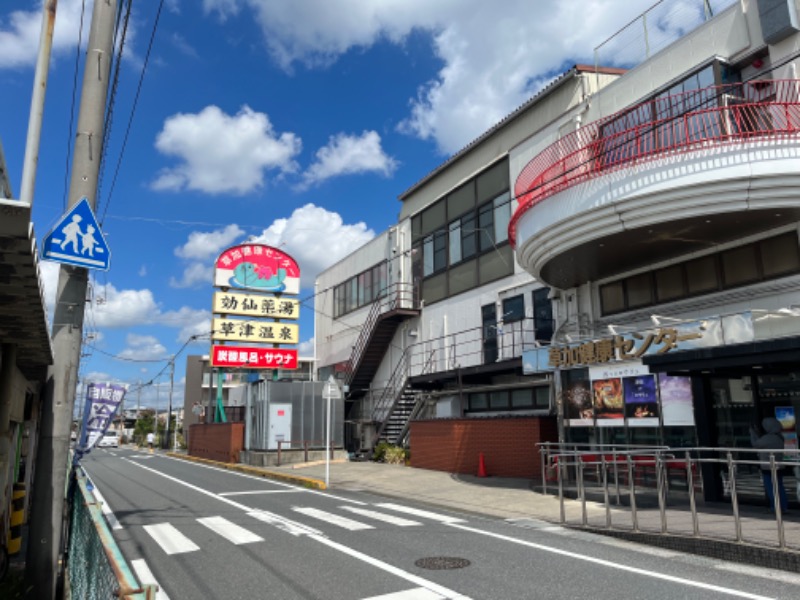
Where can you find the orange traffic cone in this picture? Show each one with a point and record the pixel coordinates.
(481, 466)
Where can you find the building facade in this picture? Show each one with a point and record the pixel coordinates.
(666, 226)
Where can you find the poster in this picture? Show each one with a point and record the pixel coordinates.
(608, 402)
(577, 397)
(676, 400)
(641, 400)
(786, 417)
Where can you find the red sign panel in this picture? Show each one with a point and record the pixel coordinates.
(257, 267)
(247, 357)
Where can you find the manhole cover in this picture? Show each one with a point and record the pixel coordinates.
(442, 562)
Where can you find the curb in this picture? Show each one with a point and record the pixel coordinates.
(307, 482)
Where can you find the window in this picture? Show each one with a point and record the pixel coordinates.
(521, 398)
(759, 261)
(510, 400)
(514, 309)
(486, 227)
(455, 242)
(462, 200)
(498, 400)
(502, 217)
(543, 315)
(469, 236)
(478, 401)
(360, 290)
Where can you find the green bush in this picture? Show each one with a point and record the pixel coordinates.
(379, 454)
(395, 455)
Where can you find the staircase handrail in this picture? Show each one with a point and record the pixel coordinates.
(385, 303)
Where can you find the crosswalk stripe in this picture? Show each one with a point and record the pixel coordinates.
(420, 513)
(331, 518)
(414, 594)
(230, 531)
(378, 516)
(146, 577)
(170, 539)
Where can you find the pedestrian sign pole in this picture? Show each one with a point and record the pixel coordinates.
(77, 240)
(330, 392)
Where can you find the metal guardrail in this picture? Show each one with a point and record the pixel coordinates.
(626, 476)
(95, 565)
(703, 118)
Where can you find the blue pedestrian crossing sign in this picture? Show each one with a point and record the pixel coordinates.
(77, 239)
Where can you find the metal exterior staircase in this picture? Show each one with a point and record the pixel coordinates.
(386, 315)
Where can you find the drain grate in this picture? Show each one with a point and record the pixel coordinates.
(438, 563)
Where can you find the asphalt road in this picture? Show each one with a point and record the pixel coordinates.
(203, 532)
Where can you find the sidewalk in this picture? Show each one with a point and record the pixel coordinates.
(516, 499)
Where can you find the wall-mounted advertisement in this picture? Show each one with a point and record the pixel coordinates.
(641, 400)
(786, 417)
(577, 397)
(608, 392)
(676, 400)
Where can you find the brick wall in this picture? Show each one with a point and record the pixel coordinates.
(508, 445)
(216, 441)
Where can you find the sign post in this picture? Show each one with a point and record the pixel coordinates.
(330, 392)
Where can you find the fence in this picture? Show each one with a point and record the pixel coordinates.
(95, 565)
(661, 490)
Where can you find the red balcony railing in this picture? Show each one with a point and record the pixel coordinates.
(664, 125)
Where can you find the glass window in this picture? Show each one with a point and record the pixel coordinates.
(416, 227)
(427, 253)
(439, 250)
(522, 398)
(486, 227)
(455, 242)
(478, 401)
(380, 279)
(469, 246)
(701, 275)
(461, 200)
(502, 217)
(369, 293)
(498, 399)
(542, 315)
(612, 297)
(669, 283)
(495, 264)
(542, 396)
(352, 294)
(493, 181)
(514, 309)
(739, 265)
(639, 290)
(779, 255)
(362, 289)
(462, 278)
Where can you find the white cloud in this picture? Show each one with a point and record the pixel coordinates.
(219, 153)
(316, 238)
(306, 349)
(123, 308)
(194, 275)
(495, 55)
(143, 347)
(48, 274)
(348, 155)
(204, 245)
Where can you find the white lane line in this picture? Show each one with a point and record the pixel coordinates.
(378, 516)
(272, 482)
(170, 539)
(415, 594)
(613, 565)
(764, 573)
(420, 513)
(109, 514)
(332, 519)
(424, 583)
(230, 531)
(254, 492)
(145, 577)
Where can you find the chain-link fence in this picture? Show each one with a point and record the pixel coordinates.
(655, 29)
(95, 566)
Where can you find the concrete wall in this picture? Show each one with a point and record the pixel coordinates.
(508, 445)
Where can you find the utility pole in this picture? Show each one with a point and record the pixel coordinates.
(169, 410)
(48, 506)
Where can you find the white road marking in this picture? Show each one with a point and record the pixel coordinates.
(424, 583)
(145, 577)
(253, 492)
(399, 521)
(771, 574)
(613, 565)
(331, 518)
(170, 539)
(420, 513)
(109, 514)
(230, 531)
(142, 456)
(283, 524)
(271, 481)
(415, 594)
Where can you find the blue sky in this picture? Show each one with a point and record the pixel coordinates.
(296, 123)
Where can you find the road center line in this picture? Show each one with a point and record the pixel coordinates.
(612, 565)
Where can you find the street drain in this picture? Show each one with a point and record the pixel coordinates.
(437, 563)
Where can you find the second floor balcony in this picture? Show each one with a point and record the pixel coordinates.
(676, 174)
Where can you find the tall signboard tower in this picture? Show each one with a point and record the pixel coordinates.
(254, 312)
